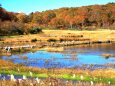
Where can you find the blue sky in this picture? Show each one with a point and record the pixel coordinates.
(28, 6)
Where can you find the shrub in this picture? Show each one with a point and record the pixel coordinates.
(16, 31)
(11, 28)
(35, 30)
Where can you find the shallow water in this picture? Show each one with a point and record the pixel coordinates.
(84, 56)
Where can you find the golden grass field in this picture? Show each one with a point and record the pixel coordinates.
(101, 35)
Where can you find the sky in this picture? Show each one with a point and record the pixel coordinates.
(28, 6)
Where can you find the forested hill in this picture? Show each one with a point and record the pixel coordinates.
(63, 18)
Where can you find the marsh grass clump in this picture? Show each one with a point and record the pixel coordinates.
(34, 40)
(106, 55)
(51, 40)
(1, 39)
(20, 50)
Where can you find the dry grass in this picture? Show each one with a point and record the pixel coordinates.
(53, 49)
(49, 82)
(57, 34)
(107, 73)
(65, 73)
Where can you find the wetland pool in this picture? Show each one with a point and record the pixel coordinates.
(82, 56)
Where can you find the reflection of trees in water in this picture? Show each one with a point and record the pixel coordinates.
(51, 65)
(103, 46)
(70, 55)
(92, 67)
(31, 62)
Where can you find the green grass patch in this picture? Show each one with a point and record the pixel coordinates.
(61, 76)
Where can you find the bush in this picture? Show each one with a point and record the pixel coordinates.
(16, 31)
(11, 28)
(35, 30)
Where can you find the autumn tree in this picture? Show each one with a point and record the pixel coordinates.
(57, 23)
(48, 16)
(37, 18)
(23, 18)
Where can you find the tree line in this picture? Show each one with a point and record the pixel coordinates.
(85, 17)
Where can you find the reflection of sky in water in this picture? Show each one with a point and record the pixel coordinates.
(64, 59)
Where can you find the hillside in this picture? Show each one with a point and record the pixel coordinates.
(85, 17)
